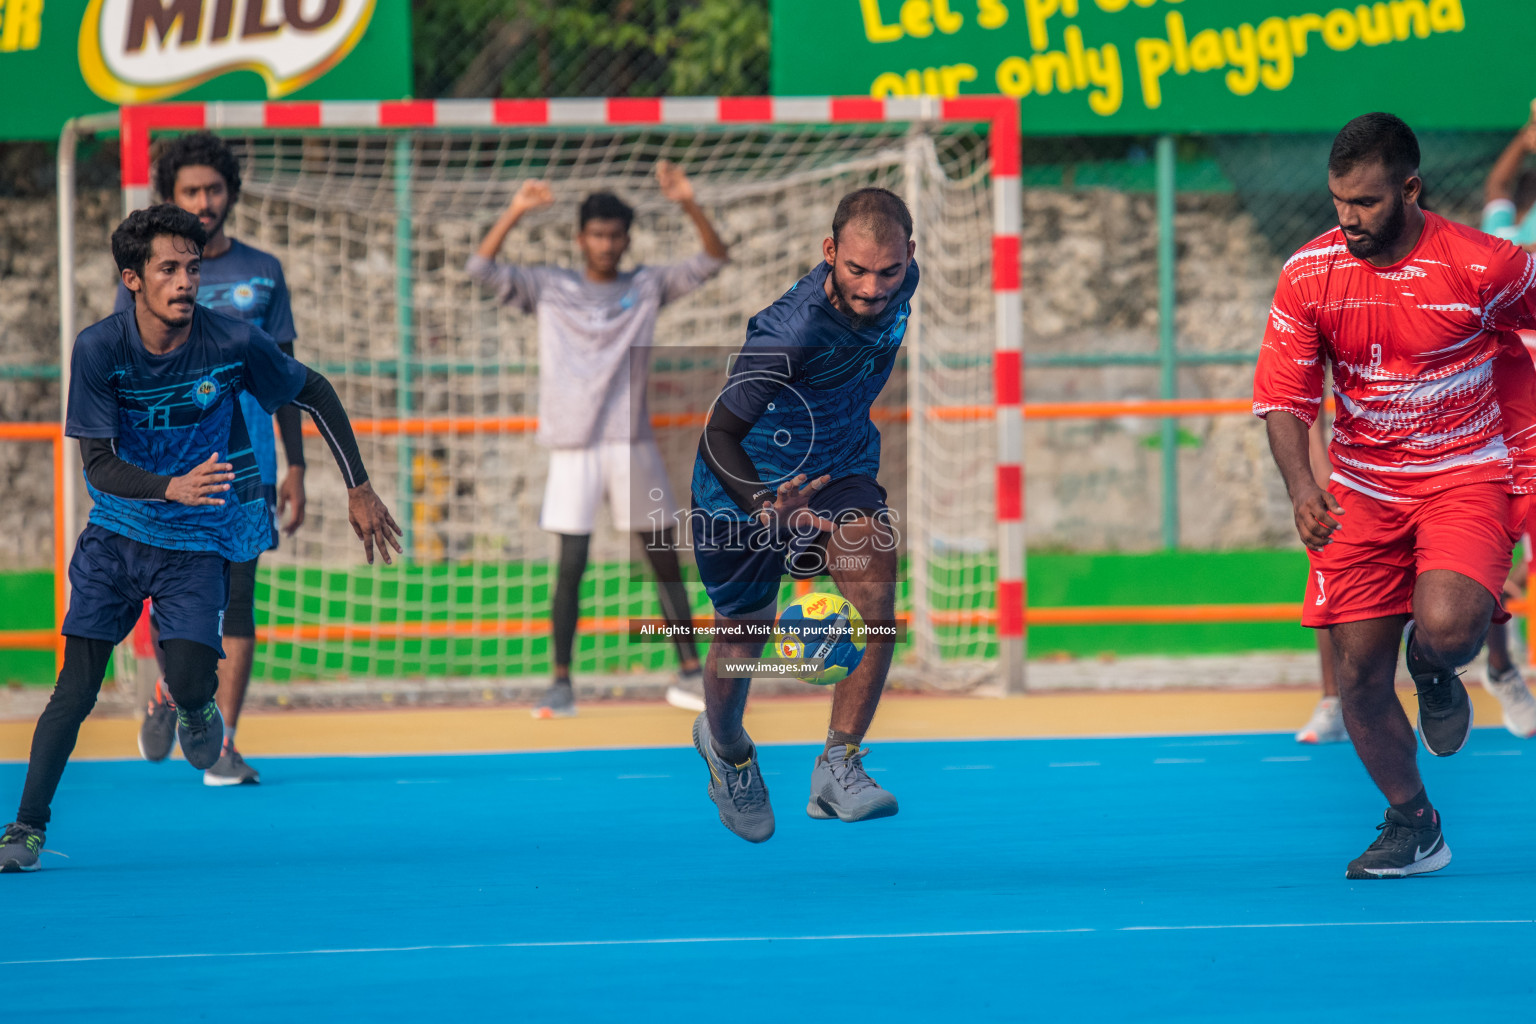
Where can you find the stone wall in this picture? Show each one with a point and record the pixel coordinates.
(29, 336)
(1090, 284)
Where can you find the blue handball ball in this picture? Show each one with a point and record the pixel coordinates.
(821, 626)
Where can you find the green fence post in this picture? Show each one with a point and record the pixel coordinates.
(405, 322)
(1167, 340)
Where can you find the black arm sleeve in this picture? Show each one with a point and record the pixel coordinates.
(111, 475)
(319, 399)
(721, 450)
(290, 424)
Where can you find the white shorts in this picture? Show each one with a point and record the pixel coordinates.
(630, 473)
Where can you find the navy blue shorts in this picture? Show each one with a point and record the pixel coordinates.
(742, 563)
(110, 576)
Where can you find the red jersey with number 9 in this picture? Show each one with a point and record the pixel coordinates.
(1433, 386)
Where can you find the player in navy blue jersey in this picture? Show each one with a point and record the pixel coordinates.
(199, 173)
(154, 400)
(785, 482)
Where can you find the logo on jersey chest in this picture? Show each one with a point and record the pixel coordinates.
(205, 392)
(243, 296)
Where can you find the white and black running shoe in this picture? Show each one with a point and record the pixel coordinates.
(1445, 710)
(1404, 847)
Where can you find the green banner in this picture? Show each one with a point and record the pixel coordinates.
(64, 58)
(1133, 66)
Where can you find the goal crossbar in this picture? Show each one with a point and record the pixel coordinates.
(999, 116)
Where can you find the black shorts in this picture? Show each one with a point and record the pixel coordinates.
(111, 575)
(741, 563)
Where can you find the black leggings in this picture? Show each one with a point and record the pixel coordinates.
(191, 674)
(660, 550)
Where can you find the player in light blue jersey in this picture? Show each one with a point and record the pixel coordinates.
(785, 482)
(154, 400)
(1509, 194)
(200, 174)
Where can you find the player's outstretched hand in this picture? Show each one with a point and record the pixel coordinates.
(199, 485)
(531, 195)
(1315, 521)
(371, 521)
(674, 183)
(290, 495)
(789, 505)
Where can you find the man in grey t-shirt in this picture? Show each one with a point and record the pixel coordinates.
(595, 327)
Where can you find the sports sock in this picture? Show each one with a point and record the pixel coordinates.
(229, 737)
(837, 739)
(1417, 810)
(737, 753)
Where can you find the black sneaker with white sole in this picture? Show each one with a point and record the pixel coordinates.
(1404, 847)
(1445, 710)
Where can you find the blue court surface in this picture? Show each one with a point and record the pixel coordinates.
(1158, 879)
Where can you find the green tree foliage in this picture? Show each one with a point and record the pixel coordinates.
(516, 48)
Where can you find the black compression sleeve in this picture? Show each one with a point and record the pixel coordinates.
(721, 450)
(319, 399)
(111, 475)
(290, 425)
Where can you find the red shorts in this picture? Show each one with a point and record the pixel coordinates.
(1369, 569)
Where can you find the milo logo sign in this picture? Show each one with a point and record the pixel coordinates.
(142, 51)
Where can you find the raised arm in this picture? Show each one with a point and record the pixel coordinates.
(676, 187)
(1501, 179)
(531, 195)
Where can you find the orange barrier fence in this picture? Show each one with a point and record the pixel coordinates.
(425, 425)
(44, 639)
(38, 639)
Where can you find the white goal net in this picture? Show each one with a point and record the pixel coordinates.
(373, 228)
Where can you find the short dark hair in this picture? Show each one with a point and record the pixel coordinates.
(604, 206)
(197, 149)
(1375, 136)
(875, 208)
(134, 237)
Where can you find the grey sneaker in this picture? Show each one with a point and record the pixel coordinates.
(1326, 724)
(559, 701)
(201, 734)
(231, 770)
(688, 692)
(19, 847)
(841, 788)
(1516, 700)
(739, 793)
(158, 729)
(1445, 710)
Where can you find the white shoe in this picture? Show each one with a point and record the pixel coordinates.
(688, 692)
(1326, 724)
(1515, 697)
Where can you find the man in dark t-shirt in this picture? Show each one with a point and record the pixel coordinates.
(154, 401)
(200, 174)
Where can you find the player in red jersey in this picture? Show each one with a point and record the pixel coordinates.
(1435, 436)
